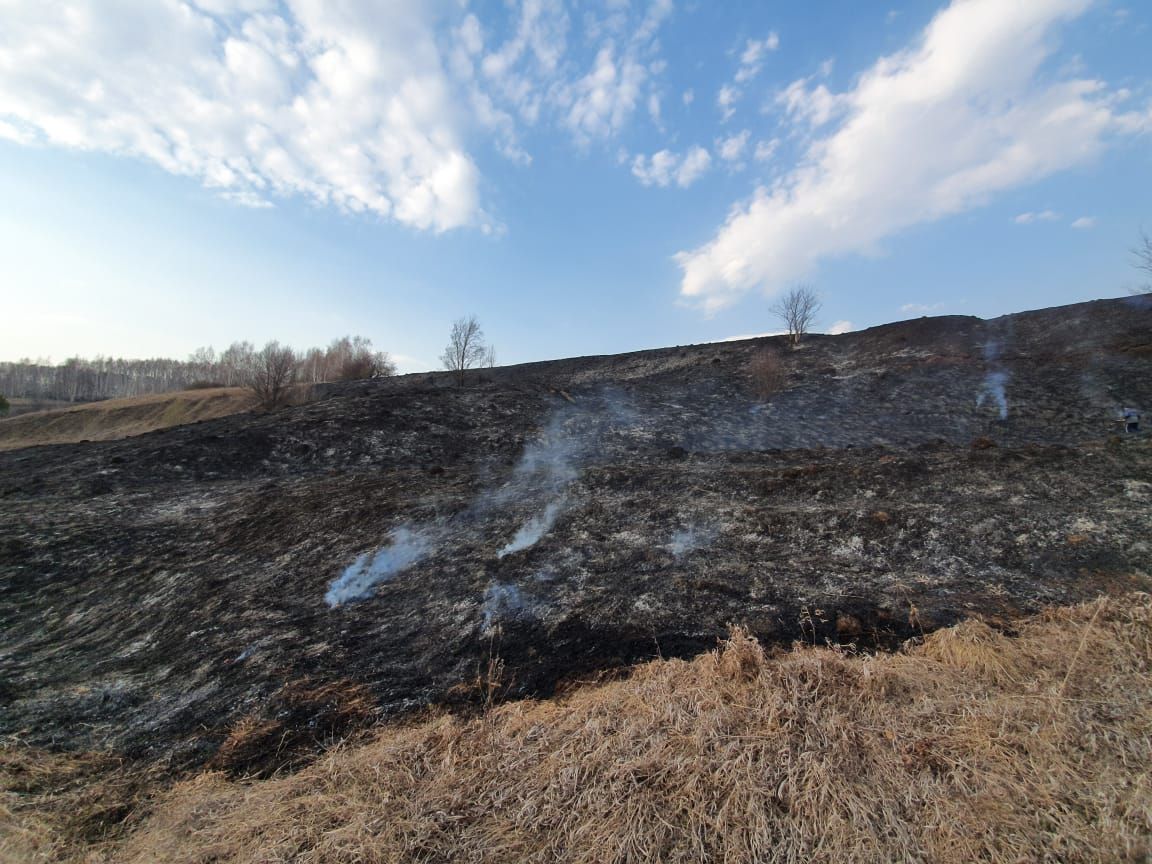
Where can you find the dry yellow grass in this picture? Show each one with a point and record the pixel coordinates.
(123, 418)
(974, 746)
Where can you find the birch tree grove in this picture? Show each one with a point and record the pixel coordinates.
(80, 379)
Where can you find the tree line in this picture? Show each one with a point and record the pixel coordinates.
(80, 379)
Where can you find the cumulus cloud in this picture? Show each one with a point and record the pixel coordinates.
(665, 168)
(726, 100)
(766, 149)
(752, 57)
(1084, 222)
(372, 107)
(602, 101)
(732, 149)
(840, 327)
(605, 98)
(812, 106)
(343, 104)
(967, 111)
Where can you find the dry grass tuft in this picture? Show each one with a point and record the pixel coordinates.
(52, 805)
(302, 719)
(974, 746)
(767, 373)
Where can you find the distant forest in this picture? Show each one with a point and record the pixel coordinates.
(80, 379)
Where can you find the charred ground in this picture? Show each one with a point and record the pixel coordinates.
(156, 592)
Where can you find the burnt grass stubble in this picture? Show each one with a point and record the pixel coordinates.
(159, 593)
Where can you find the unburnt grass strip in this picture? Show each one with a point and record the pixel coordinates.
(973, 745)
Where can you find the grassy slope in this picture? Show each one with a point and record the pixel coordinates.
(972, 746)
(121, 418)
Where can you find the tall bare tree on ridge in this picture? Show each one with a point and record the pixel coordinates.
(466, 348)
(797, 309)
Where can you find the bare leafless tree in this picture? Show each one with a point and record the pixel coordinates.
(1142, 255)
(466, 348)
(354, 359)
(272, 374)
(370, 364)
(797, 309)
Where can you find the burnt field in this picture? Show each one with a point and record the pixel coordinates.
(400, 539)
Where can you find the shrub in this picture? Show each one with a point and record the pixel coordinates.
(272, 374)
(366, 364)
(766, 372)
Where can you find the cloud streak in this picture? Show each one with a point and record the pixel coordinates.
(938, 128)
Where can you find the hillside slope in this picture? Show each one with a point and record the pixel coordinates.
(121, 418)
(395, 537)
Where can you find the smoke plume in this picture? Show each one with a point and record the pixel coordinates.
(502, 602)
(535, 528)
(541, 479)
(995, 380)
(372, 568)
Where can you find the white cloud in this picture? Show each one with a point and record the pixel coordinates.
(1042, 216)
(368, 106)
(752, 57)
(654, 107)
(604, 99)
(344, 105)
(840, 327)
(765, 150)
(689, 96)
(920, 308)
(665, 168)
(930, 131)
(744, 336)
(732, 149)
(696, 162)
(751, 61)
(1084, 223)
(726, 99)
(815, 106)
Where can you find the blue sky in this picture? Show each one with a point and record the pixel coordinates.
(585, 177)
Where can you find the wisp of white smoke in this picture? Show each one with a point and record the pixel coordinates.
(535, 528)
(372, 568)
(994, 383)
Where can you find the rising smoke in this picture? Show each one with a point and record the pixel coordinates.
(685, 540)
(370, 569)
(552, 463)
(502, 602)
(535, 528)
(541, 478)
(995, 380)
(994, 383)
